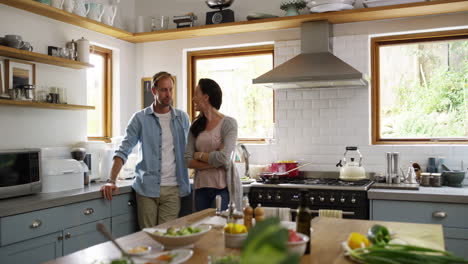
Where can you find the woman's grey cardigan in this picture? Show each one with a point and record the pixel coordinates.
(222, 158)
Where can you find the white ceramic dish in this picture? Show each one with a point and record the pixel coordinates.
(312, 3)
(300, 246)
(176, 241)
(375, 3)
(182, 255)
(234, 240)
(330, 8)
(138, 251)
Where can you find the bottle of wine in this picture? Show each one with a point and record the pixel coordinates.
(304, 217)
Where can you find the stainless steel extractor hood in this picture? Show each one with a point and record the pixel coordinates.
(316, 66)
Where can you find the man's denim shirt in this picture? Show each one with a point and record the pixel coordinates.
(144, 128)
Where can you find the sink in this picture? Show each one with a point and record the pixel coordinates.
(396, 186)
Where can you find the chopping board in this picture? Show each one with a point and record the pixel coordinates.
(328, 233)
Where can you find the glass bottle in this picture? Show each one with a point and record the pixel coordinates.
(304, 217)
(248, 214)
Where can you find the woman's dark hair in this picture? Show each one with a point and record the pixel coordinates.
(212, 89)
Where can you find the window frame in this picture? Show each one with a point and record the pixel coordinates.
(219, 53)
(107, 97)
(378, 42)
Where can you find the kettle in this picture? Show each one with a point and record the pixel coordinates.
(351, 170)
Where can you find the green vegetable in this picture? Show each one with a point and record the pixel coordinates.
(171, 231)
(378, 235)
(267, 243)
(403, 254)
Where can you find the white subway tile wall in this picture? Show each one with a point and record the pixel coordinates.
(315, 125)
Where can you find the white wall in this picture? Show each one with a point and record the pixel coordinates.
(315, 125)
(27, 127)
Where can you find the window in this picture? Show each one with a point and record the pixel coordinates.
(99, 94)
(233, 69)
(420, 88)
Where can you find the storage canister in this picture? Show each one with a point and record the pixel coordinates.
(436, 179)
(425, 179)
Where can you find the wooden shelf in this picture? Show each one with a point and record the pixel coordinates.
(59, 14)
(42, 58)
(45, 105)
(355, 15)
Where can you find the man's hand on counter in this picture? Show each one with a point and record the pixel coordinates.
(107, 190)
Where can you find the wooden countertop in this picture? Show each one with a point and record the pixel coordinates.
(326, 238)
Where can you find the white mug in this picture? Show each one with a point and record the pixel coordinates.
(69, 5)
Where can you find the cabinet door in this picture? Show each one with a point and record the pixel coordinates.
(83, 236)
(456, 241)
(123, 204)
(32, 251)
(123, 225)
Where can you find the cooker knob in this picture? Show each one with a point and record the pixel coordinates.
(322, 199)
(332, 199)
(312, 199)
(353, 200)
(269, 197)
(259, 196)
(278, 197)
(342, 200)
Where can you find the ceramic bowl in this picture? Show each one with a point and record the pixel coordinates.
(170, 242)
(300, 246)
(234, 240)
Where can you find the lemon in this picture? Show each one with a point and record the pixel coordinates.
(357, 240)
(239, 229)
(228, 228)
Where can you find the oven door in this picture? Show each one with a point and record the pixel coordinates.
(19, 172)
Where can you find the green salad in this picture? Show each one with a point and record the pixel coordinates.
(171, 231)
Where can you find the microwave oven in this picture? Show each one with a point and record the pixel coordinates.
(20, 172)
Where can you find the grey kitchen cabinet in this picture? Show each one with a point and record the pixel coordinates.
(83, 236)
(42, 235)
(124, 215)
(453, 217)
(33, 251)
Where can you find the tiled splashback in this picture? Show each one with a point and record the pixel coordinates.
(316, 124)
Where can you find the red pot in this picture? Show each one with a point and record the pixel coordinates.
(282, 167)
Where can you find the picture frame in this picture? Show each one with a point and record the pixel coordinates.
(147, 97)
(19, 73)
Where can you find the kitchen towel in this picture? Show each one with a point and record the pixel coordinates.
(330, 213)
(284, 214)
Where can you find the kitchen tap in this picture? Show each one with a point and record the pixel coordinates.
(246, 155)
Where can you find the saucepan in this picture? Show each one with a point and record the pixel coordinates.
(219, 3)
(277, 175)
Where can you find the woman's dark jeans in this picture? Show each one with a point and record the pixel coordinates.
(205, 198)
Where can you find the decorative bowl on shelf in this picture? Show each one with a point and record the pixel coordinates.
(292, 7)
(320, 6)
(215, 4)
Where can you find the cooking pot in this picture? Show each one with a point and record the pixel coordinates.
(219, 3)
(268, 176)
(351, 170)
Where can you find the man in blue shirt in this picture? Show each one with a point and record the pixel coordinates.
(161, 177)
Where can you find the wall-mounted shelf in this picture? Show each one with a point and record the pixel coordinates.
(45, 105)
(58, 14)
(355, 15)
(42, 58)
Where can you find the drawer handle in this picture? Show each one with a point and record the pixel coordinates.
(439, 214)
(60, 238)
(130, 202)
(67, 236)
(36, 224)
(89, 211)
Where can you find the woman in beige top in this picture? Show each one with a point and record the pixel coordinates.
(211, 142)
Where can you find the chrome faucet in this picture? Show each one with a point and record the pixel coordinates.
(246, 155)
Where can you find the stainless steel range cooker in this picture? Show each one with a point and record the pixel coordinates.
(324, 192)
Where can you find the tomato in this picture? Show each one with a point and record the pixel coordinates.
(293, 237)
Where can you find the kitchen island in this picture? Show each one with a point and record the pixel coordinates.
(326, 238)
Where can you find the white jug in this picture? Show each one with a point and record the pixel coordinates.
(80, 8)
(69, 5)
(58, 3)
(109, 15)
(95, 11)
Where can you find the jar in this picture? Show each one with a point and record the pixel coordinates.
(436, 179)
(425, 179)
